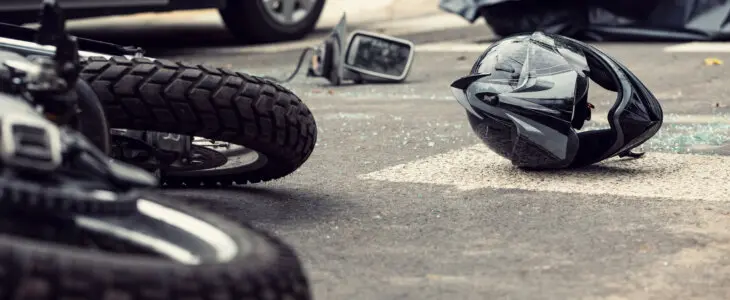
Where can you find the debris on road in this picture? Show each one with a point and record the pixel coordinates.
(711, 61)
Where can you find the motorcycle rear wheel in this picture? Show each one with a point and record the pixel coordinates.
(207, 102)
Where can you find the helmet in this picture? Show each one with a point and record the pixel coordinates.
(527, 95)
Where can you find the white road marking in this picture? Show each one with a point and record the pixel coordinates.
(422, 24)
(697, 119)
(693, 47)
(675, 118)
(699, 47)
(288, 46)
(451, 47)
(264, 48)
(396, 27)
(149, 19)
(657, 175)
(375, 10)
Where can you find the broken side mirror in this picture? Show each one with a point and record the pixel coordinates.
(378, 58)
(365, 57)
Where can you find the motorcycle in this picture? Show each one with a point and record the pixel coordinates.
(76, 224)
(194, 125)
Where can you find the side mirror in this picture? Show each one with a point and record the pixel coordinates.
(366, 57)
(378, 58)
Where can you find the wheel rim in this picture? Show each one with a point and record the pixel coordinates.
(288, 12)
(239, 160)
(209, 158)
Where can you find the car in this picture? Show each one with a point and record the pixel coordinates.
(250, 21)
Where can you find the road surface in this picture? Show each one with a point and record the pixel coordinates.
(401, 201)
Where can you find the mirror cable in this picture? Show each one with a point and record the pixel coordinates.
(299, 66)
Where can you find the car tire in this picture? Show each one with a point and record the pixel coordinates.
(250, 22)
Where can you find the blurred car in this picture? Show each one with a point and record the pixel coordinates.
(251, 21)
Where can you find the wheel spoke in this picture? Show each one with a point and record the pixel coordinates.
(287, 9)
(271, 4)
(307, 5)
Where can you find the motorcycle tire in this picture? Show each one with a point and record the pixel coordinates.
(40, 259)
(213, 103)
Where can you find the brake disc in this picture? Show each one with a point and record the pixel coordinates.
(202, 158)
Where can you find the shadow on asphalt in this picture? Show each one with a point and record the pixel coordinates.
(265, 204)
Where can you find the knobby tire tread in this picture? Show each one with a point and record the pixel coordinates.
(215, 103)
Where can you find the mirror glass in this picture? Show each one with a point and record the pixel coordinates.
(378, 55)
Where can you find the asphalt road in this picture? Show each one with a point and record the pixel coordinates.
(398, 201)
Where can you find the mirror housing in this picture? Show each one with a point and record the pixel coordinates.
(328, 57)
(366, 57)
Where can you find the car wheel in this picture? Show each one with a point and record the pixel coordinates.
(265, 21)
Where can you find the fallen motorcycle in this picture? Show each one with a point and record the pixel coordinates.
(196, 125)
(76, 224)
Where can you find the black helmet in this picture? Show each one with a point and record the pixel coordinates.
(528, 94)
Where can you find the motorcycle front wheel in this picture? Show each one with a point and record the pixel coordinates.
(212, 103)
